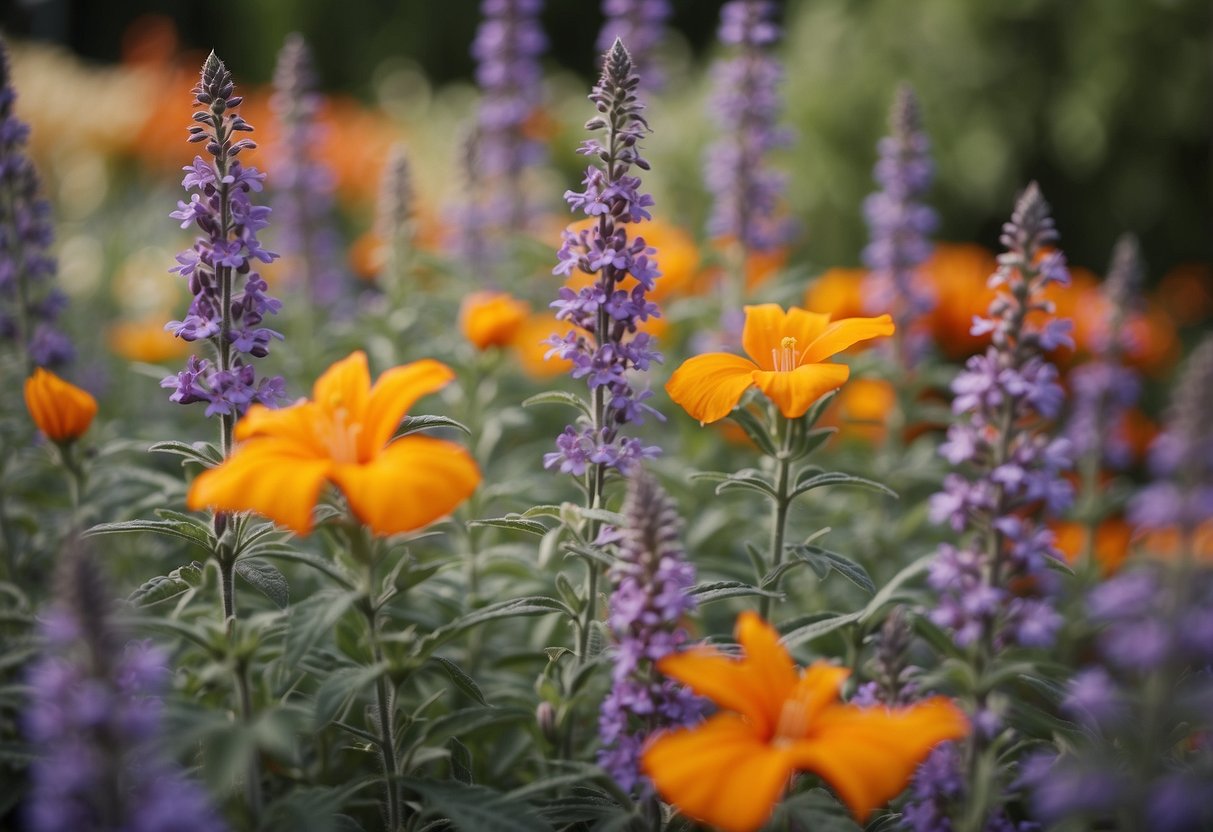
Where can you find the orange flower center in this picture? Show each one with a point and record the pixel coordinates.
(793, 722)
(786, 358)
(337, 432)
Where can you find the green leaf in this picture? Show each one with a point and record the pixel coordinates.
(339, 687)
(413, 424)
(812, 440)
(560, 397)
(819, 628)
(886, 593)
(839, 478)
(841, 564)
(755, 429)
(311, 809)
(720, 590)
(467, 720)
(461, 761)
(750, 480)
(512, 521)
(312, 618)
(466, 684)
(266, 579)
(204, 453)
(284, 552)
(165, 587)
(192, 532)
(818, 408)
(475, 808)
(511, 608)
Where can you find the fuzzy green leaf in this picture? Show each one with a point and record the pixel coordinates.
(849, 569)
(266, 579)
(475, 808)
(515, 522)
(192, 531)
(560, 397)
(413, 424)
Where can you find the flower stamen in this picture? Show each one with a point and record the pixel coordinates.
(786, 358)
(793, 722)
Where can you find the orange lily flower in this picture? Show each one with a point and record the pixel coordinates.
(788, 351)
(60, 409)
(774, 721)
(491, 319)
(343, 436)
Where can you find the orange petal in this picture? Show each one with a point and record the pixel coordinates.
(709, 386)
(719, 772)
(296, 423)
(274, 477)
(818, 688)
(766, 659)
(60, 409)
(841, 334)
(794, 392)
(766, 325)
(868, 755)
(412, 483)
(394, 393)
(346, 385)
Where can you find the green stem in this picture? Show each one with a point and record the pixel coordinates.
(252, 781)
(779, 518)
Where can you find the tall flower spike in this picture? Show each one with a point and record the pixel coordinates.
(1181, 458)
(641, 25)
(230, 303)
(652, 579)
(899, 223)
(29, 302)
(304, 184)
(94, 718)
(746, 106)
(605, 344)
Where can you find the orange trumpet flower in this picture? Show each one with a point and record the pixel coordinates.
(343, 436)
(60, 409)
(774, 721)
(491, 319)
(788, 351)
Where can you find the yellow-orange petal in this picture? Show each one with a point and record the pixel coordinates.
(345, 385)
(394, 393)
(818, 689)
(491, 319)
(868, 755)
(709, 386)
(413, 482)
(719, 772)
(276, 478)
(844, 333)
(296, 423)
(794, 392)
(766, 659)
(767, 325)
(60, 409)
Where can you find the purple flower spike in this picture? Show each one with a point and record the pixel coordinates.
(606, 345)
(652, 580)
(230, 304)
(899, 223)
(304, 183)
(641, 25)
(94, 722)
(746, 107)
(29, 302)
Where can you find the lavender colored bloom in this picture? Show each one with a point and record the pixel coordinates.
(1104, 389)
(746, 107)
(1003, 396)
(29, 302)
(305, 184)
(606, 347)
(899, 223)
(641, 25)
(652, 579)
(230, 301)
(1181, 458)
(94, 719)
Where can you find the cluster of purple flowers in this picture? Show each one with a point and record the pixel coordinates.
(641, 25)
(606, 343)
(93, 721)
(1104, 390)
(230, 303)
(305, 186)
(652, 579)
(746, 106)
(1181, 457)
(899, 223)
(1003, 396)
(29, 303)
(507, 49)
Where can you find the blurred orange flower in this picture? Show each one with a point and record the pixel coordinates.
(861, 408)
(531, 348)
(1186, 293)
(145, 340)
(1111, 544)
(491, 319)
(958, 273)
(838, 291)
(60, 409)
(775, 720)
(789, 352)
(344, 436)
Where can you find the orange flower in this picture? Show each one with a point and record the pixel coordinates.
(145, 340)
(861, 409)
(60, 409)
(838, 290)
(1111, 544)
(491, 319)
(788, 351)
(531, 349)
(774, 721)
(958, 273)
(284, 457)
